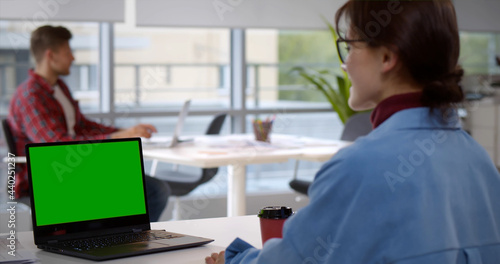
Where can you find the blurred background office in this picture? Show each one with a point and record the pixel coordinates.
(138, 60)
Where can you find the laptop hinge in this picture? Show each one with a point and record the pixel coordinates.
(52, 241)
(136, 230)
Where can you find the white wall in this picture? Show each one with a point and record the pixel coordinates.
(473, 15)
(295, 14)
(42, 11)
(478, 15)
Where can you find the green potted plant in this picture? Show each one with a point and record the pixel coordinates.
(334, 85)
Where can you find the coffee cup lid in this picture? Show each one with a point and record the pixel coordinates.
(275, 212)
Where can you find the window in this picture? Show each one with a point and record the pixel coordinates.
(271, 54)
(158, 68)
(478, 51)
(15, 61)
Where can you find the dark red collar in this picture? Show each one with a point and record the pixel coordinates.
(393, 104)
(44, 84)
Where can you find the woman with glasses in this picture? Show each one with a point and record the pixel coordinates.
(418, 188)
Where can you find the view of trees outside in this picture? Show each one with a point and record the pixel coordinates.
(309, 48)
(498, 44)
(317, 47)
(477, 51)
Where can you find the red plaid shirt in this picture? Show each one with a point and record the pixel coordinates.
(35, 115)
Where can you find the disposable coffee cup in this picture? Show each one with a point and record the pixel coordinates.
(272, 219)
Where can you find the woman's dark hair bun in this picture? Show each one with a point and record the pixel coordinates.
(444, 90)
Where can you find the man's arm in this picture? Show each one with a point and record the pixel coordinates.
(88, 125)
(43, 125)
(140, 130)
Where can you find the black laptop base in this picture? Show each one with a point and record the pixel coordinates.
(130, 249)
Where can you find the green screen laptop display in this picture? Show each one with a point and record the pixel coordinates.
(73, 183)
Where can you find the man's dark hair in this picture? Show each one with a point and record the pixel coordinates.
(48, 37)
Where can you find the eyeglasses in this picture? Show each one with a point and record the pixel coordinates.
(343, 49)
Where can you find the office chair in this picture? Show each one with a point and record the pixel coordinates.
(179, 181)
(9, 137)
(356, 126)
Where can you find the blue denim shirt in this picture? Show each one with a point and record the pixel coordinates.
(417, 189)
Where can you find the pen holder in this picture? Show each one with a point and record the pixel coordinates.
(262, 130)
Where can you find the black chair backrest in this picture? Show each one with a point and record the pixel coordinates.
(216, 124)
(213, 129)
(356, 126)
(9, 137)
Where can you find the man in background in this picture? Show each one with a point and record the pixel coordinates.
(43, 110)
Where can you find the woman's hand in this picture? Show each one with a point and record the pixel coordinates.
(215, 258)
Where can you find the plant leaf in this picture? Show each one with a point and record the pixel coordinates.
(337, 100)
(337, 96)
(341, 84)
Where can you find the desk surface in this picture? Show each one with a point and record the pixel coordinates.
(238, 150)
(215, 151)
(224, 230)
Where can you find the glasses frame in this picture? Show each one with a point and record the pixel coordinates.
(339, 40)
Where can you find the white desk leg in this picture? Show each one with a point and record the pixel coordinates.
(236, 190)
(154, 165)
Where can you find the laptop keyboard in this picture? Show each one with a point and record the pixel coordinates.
(108, 241)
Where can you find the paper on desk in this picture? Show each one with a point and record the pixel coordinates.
(18, 256)
(228, 143)
(220, 145)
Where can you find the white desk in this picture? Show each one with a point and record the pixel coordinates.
(237, 151)
(223, 230)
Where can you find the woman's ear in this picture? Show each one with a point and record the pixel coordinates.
(390, 59)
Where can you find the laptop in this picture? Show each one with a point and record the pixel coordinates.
(88, 200)
(174, 141)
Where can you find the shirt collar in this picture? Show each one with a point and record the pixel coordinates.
(393, 104)
(421, 118)
(44, 84)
